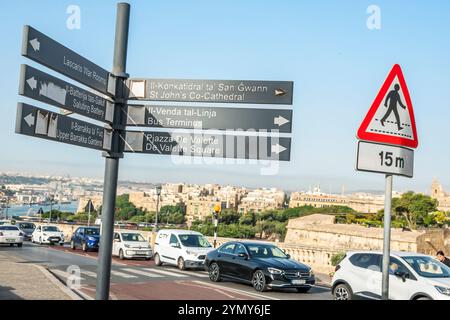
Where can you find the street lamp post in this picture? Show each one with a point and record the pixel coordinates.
(216, 222)
(51, 209)
(158, 195)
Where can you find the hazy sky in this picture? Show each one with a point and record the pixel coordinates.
(325, 47)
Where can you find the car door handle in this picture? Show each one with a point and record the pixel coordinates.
(219, 255)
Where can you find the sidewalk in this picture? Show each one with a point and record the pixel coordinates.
(25, 281)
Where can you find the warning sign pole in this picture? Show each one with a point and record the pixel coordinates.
(387, 238)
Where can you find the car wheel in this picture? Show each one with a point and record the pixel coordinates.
(259, 281)
(214, 272)
(72, 245)
(121, 256)
(342, 292)
(158, 260)
(19, 245)
(181, 265)
(303, 289)
(84, 247)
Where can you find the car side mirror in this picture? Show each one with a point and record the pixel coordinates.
(175, 245)
(243, 255)
(288, 256)
(402, 275)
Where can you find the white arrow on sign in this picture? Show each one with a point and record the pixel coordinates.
(280, 92)
(280, 121)
(278, 148)
(35, 44)
(29, 119)
(32, 82)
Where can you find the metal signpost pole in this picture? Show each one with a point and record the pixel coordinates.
(112, 158)
(387, 237)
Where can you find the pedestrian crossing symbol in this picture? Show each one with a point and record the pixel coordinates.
(390, 119)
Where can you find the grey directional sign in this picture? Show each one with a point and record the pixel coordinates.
(214, 91)
(43, 87)
(36, 122)
(387, 159)
(209, 118)
(46, 51)
(209, 145)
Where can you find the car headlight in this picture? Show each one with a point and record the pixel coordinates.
(191, 253)
(91, 238)
(443, 290)
(44, 234)
(274, 271)
(126, 245)
(311, 272)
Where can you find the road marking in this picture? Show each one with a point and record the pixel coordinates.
(121, 274)
(251, 294)
(192, 273)
(143, 273)
(168, 273)
(89, 273)
(220, 291)
(63, 274)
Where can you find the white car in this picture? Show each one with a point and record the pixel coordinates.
(47, 234)
(130, 244)
(181, 248)
(11, 235)
(412, 276)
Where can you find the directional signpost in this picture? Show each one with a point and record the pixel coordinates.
(209, 118)
(36, 122)
(40, 48)
(45, 88)
(218, 91)
(388, 132)
(254, 132)
(208, 145)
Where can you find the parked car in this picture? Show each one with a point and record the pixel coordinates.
(47, 234)
(27, 228)
(412, 276)
(182, 248)
(131, 244)
(11, 235)
(88, 238)
(262, 265)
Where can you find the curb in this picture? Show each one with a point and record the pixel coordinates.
(56, 282)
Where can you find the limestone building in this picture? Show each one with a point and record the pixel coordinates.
(443, 198)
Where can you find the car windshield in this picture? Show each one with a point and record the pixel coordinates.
(50, 229)
(265, 251)
(9, 228)
(428, 267)
(27, 226)
(132, 237)
(92, 232)
(194, 241)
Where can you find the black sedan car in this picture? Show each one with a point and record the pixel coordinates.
(260, 264)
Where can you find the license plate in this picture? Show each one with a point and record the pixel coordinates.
(10, 240)
(298, 281)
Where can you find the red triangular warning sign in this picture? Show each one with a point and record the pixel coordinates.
(391, 117)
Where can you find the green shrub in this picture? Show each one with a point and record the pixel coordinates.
(337, 258)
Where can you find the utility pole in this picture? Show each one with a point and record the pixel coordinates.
(112, 158)
(387, 238)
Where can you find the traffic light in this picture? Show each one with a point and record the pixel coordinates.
(217, 208)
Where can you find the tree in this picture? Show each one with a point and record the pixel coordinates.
(413, 208)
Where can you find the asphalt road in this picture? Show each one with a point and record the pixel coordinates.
(142, 280)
